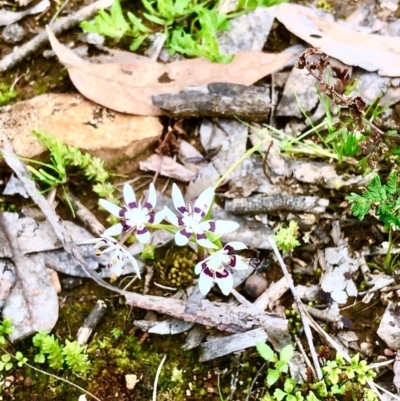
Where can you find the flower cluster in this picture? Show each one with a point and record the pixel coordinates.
(193, 223)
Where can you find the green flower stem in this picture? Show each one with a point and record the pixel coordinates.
(167, 227)
(255, 148)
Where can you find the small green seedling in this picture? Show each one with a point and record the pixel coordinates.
(6, 362)
(7, 94)
(114, 25)
(58, 355)
(280, 363)
(286, 237)
(5, 329)
(66, 162)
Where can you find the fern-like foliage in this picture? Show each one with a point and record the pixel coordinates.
(75, 357)
(384, 199)
(49, 347)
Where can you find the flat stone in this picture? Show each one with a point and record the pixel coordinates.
(112, 136)
(389, 327)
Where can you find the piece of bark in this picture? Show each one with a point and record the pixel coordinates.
(195, 337)
(218, 100)
(91, 322)
(272, 294)
(171, 326)
(226, 345)
(276, 203)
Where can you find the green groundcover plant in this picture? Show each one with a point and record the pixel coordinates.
(341, 380)
(190, 26)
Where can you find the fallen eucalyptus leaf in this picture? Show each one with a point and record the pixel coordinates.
(129, 87)
(342, 41)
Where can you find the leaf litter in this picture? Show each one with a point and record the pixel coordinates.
(341, 269)
(128, 88)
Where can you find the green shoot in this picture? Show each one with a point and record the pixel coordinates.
(7, 94)
(341, 380)
(67, 161)
(5, 329)
(57, 355)
(286, 237)
(190, 26)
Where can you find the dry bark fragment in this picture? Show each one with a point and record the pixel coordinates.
(218, 100)
(276, 203)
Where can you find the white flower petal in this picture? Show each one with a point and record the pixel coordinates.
(113, 230)
(199, 266)
(171, 217)
(143, 234)
(205, 283)
(225, 284)
(180, 238)
(351, 288)
(152, 197)
(159, 216)
(129, 195)
(236, 245)
(203, 203)
(225, 226)
(134, 262)
(110, 207)
(238, 263)
(178, 200)
(117, 263)
(206, 243)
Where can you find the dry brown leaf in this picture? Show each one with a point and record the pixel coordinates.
(128, 87)
(369, 51)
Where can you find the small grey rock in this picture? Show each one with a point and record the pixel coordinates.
(13, 33)
(389, 327)
(93, 39)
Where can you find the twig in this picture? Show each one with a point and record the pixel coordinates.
(300, 306)
(157, 376)
(305, 356)
(57, 13)
(254, 380)
(88, 219)
(91, 322)
(61, 25)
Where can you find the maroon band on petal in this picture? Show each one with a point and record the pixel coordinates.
(142, 230)
(186, 233)
(222, 274)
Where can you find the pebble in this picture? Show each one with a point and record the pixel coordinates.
(13, 33)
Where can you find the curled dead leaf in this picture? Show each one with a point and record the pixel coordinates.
(129, 87)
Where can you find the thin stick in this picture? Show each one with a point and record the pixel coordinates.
(305, 356)
(61, 25)
(300, 306)
(157, 376)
